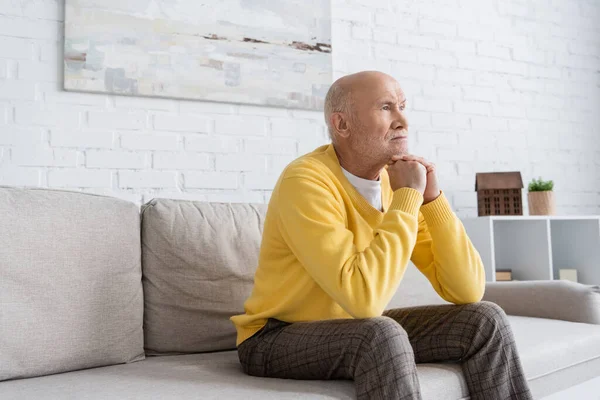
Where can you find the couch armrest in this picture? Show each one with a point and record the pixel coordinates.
(563, 300)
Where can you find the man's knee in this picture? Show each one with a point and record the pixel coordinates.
(487, 314)
(379, 332)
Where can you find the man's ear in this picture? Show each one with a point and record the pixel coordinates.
(340, 124)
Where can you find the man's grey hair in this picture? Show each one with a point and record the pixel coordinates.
(336, 100)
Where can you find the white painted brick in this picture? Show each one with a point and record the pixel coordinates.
(211, 180)
(499, 110)
(149, 141)
(270, 146)
(79, 178)
(516, 9)
(20, 137)
(212, 144)
(412, 40)
(11, 7)
(385, 35)
(547, 100)
(432, 104)
(245, 109)
(288, 127)
(181, 123)
(456, 154)
(553, 44)
(401, 21)
(465, 199)
(369, 64)
(116, 159)
(235, 196)
(550, 72)
(39, 157)
(54, 96)
(492, 79)
(475, 31)
(341, 29)
(47, 115)
(472, 107)
(354, 14)
(17, 90)
(11, 175)
(421, 119)
(576, 61)
(3, 69)
(457, 46)
(200, 108)
(437, 138)
(363, 32)
(147, 179)
(437, 58)
(260, 181)
(29, 27)
(528, 84)
(479, 93)
(146, 103)
(393, 52)
(441, 90)
(241, 125)
(489, 124)
(37, 71)
(413, 71)
(241, 162)
(438, 28)
(529, 55)
(16, 48)
(278, 163)
(541, 113)
(450, 121)
(168, 160)
(82, 140)
(117, 120)
(492, 50)
(452, 75)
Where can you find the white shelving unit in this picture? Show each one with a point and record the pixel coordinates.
(537, 247)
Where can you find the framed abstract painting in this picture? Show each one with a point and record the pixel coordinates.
(272, 53)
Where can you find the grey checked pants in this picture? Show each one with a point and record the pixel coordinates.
(380, 354)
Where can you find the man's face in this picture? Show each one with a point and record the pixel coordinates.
(378, 123)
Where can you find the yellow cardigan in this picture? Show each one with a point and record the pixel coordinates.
(326, 253)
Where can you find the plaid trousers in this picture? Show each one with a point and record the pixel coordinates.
(380, 354)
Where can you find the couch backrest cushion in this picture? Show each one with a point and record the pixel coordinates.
(70, 282)
(198, 267)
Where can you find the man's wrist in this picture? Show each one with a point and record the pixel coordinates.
(429, 200)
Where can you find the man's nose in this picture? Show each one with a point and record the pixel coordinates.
(400, 121)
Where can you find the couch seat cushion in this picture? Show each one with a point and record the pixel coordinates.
(205, 376)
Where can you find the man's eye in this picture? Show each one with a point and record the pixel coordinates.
(386, 108)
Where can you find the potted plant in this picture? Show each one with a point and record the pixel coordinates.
(541, 197)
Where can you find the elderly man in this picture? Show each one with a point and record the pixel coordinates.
(342, 225)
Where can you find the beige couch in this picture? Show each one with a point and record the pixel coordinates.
(101, 301)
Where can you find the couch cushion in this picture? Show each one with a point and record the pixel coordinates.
(556, 354)
(198, 268)
(208, 376)
(70, 287)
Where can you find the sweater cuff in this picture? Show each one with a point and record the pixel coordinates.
(438, 211)
(408, 200)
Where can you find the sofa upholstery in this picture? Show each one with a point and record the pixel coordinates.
(198, 259)
(70, 282)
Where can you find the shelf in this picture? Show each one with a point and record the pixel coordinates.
(537, 247)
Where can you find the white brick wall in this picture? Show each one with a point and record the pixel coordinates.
(492, 86)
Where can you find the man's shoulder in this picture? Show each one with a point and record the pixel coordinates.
(309, 166)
